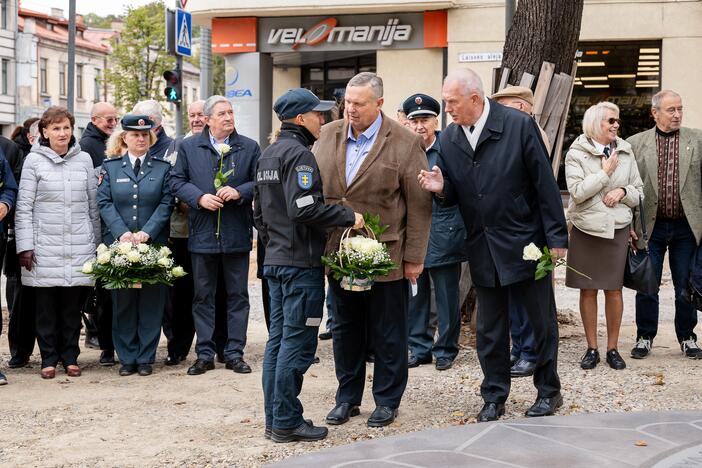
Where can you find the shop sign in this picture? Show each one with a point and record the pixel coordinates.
(480, 57)
(344, 32)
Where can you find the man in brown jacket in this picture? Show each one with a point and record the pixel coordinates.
(370, 163)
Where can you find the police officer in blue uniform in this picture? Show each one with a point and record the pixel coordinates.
(135, 205)
(291, 216)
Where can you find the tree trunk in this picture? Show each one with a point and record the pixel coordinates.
(542, 31)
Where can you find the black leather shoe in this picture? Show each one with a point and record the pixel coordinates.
(145, 369)
(173, 360)
(382, 416)
(200, 367)
(414, 361)
(239, 366)
(491, 411)
(341, 413)
(127, 369)
(325, 335)
(545, 406)
(522, 368)
(590, 359)
(615, 360)
(107, 358)
(16, 362)
(269, 430)
(513, 359)
(443, 363)
(305, 432)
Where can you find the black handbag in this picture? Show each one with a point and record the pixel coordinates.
(639, 273)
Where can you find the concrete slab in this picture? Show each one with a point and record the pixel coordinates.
(656, 440)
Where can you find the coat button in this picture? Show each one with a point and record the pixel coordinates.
(480, 196)
(134, 218)
(135, 186)
(134, 206)
(134, 196)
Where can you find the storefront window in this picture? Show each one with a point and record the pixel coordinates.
(627, 74)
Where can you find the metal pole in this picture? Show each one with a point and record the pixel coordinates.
(510, 8)
(71, 54)
(205, 63)
(179, 86)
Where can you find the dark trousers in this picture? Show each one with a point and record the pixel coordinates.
(21, 330)
(103, 298)
(178, 323)
(235, 268)
(58, 316)
(297, 301)
(220, 335)
(136, 322)
(521, 333)
(266, 300)
(493, 336)
(677, 238)
(329, 301)
(421, 334)
(382, 313)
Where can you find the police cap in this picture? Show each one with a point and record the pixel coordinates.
(299, 101)
(419, 104)
(137, 122)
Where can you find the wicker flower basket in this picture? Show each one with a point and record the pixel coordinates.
(352, 283)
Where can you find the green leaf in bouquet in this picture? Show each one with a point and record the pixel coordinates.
(227, 174)
(540, 274)
(373, 223)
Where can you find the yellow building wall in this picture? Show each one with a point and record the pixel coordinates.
(283, 80)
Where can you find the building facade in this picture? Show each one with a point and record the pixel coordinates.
(629, 49)
(8, 66)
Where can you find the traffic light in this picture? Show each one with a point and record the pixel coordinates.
(173, 88)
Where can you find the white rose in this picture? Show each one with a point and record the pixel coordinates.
(104, 257)
(164, 252)
(165, 262)
(223, 148)
(102, 248)
(141, 248)
(124, 247)
(178, 272)
(531, 252)
(88, 267)
(133, 256)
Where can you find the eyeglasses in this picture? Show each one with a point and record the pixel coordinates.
(109, 119)
(612, 121)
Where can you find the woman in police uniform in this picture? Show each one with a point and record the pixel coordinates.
(135, 205)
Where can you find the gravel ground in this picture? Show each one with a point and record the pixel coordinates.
(101, 419)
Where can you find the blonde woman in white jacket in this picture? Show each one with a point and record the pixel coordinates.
(604, 185)
(56, 225)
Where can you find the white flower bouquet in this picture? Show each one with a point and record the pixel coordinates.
(360, 259)
(546, 261)
(126, 265)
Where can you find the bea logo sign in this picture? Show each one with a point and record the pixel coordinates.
(236, 93)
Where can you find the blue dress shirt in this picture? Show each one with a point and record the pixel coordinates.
(358, 148)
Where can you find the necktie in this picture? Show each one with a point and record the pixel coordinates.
(472, 129)
(606, 152)
(137, 166)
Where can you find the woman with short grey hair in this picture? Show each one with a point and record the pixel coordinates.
(605, 186)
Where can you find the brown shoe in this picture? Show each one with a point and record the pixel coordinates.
(73, 371)
(48, 373)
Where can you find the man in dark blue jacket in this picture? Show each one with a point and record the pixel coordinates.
(220, 221)
(494, 165)
(442, 265)
(8, 194)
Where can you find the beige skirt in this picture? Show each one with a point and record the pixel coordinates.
(601, 259)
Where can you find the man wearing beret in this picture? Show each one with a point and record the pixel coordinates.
(442, 264)
(520, 98)
(369, 163)
(292, 219)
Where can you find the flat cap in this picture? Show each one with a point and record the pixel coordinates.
(299, 101)
(516, 91)
(421, 104)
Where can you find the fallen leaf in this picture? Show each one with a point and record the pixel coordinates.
(312, 375)
(641, 443)
(178, 403)
(458, 414)
(659, 380)
(245, 421)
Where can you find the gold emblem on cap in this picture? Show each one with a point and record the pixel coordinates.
(141, 122)
(418, 100)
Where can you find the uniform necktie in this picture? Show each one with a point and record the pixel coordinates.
(606, 152)
(472, 129)
(137, 166)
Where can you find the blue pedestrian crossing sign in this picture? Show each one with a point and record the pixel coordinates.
(184, 33)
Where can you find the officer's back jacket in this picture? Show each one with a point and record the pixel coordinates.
(193, 176)
(289, 209)
(135, 203)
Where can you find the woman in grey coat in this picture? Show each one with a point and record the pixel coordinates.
(56, 225)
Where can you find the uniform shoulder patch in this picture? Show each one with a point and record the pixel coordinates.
(304, 179)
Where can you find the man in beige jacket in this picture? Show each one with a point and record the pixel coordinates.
(668, 157)
(370, 163)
